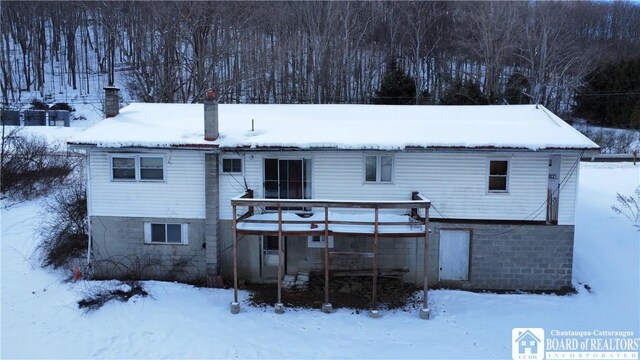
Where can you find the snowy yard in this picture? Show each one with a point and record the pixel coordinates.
(40, 317)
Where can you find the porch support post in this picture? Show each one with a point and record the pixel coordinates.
(374, 311)
(235, 305)
(424, 312)
(326, 307)
(279, 308)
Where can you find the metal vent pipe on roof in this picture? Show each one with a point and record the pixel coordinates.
(210, 116)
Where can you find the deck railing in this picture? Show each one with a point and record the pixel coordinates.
(416, 205)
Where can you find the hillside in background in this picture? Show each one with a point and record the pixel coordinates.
(311, 52)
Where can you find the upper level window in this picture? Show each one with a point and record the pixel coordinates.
(123, 168)
(161, 233)
(137, 168)
(231, 166)
(498, 175)
(378, 168)
(151, 168)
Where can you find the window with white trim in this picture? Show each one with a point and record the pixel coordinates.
(498, 175)
(231, 165)
(166, 233)
(378, 168)
(123, 168)
(137, 168)
(151, 168)
(317, 241)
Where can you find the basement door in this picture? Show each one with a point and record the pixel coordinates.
(269, 256)
(454, 255)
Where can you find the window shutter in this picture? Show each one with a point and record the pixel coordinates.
(147, 233)
(185, 233)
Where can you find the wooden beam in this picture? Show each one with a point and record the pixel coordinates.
(326, 255)
(375, 262)
(341, 222)
(279, 255)
(425, 300)
(235, 255)
(352, 253)
(329, 203)
(331, 233)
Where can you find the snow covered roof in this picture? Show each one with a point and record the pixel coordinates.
(338, 126)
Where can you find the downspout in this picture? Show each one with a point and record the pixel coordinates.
(88, 192)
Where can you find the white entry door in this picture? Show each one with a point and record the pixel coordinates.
(454, 255)
(269, 250)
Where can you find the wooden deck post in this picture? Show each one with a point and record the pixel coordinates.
(235, 305)
(326, 307)
(374, 311)
(279, 308)
(424, 312)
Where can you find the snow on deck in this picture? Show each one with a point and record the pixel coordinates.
(360, 223)
(338, 126)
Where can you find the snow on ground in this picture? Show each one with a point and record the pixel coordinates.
(40, 318)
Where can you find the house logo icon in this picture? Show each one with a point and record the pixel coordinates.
(527, 343)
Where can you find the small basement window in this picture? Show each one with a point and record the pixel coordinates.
(161, 233)
(378, 168)
(498, 175)
(231, 166)
(318, 241)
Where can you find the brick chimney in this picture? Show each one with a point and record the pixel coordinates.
(210, 116)
(111, 101)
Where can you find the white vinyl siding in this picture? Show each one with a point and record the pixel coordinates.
(180, 195)
(456, 183)
(568, 188)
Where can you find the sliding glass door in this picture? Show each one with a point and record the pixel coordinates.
(287, 178)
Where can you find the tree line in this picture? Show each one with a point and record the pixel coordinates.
(315, 52)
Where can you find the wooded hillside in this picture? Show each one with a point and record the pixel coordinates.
(314, 52)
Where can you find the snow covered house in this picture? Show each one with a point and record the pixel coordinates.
(256, 192)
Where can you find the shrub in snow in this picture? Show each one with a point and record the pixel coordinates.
(62, 106)
(31, 166)
(629, 206)
(121, 291)
(65, 226)
(37, 104)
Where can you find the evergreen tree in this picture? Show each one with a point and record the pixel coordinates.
(397, 88)
(517, 86)
(464, 93)
(611, 94)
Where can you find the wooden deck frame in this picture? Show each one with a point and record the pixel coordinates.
(416, 203)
